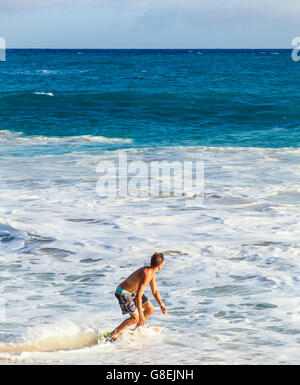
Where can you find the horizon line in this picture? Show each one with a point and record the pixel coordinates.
(151, 48)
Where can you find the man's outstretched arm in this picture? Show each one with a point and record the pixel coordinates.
(156, 295)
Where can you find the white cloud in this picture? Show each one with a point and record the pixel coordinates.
(28, 5)
(266, 7)
(209, 10)
(151, 23)
(162, 13)
(13, 6)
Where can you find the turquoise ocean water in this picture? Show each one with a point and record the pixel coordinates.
(154, 97)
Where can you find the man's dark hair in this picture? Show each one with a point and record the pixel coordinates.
(157, 259)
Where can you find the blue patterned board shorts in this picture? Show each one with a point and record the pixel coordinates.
(127, 300)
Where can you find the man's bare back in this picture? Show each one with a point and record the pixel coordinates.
(132, 283)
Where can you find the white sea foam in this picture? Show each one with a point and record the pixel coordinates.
(20, 138)
(47, 72)
(230, 284)
(63, 335)
(44, 93)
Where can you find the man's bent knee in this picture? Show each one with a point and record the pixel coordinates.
(134, 317)
(149, 307)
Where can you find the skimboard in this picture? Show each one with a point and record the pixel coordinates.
(105, 336)
(155, 329)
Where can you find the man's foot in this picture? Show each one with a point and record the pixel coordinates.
(111, 337)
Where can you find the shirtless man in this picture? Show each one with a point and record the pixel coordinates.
(131, 297)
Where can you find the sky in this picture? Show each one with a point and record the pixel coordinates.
(149, 23)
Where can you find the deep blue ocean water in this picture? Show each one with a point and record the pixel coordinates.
(247, 98)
